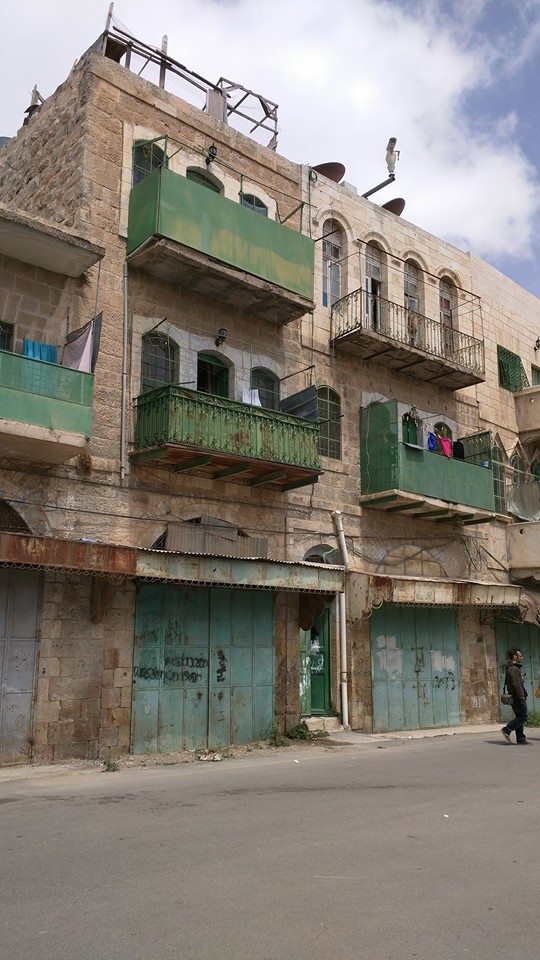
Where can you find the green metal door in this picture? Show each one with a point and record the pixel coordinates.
(526, 637)
(315, 667)
(415, 667)
(203, 670)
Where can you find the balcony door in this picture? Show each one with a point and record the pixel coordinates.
(373, 288)
(447, 309)
(212, 375)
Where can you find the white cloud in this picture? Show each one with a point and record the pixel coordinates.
(347, 75)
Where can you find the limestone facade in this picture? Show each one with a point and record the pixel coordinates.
(72, 164)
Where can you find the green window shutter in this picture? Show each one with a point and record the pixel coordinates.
(512, 374)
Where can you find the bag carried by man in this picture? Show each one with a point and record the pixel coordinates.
(506, 697)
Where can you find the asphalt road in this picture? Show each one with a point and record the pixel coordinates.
(426, 849)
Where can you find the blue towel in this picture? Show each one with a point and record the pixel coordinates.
(40, 351)
(432, 444)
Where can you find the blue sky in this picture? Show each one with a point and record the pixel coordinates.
(456, 81)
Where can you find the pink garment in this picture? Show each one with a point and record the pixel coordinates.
(445, 446)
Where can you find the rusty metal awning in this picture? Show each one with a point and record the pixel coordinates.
(113, 560)
(368, 591)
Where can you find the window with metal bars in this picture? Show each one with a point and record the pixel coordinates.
(147, 157)
(159, 361)
(6, 335)
(512, 374)
(535, 376)
(329, 410)
(267, 384)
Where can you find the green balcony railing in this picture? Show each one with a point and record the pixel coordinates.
(175, 415)
(167, 205)
(45, 394)
(389, 464)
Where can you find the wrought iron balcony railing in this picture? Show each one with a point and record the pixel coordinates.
(360, 313)
(187, 428)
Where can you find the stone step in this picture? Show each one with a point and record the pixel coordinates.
(329, 724)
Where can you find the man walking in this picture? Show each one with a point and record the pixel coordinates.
(516, 689)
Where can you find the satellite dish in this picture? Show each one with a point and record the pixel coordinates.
(397, 206)
(333, 171)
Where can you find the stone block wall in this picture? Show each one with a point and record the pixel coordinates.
(41, 168)
(41, 305)
(83, 689)
(478, 669)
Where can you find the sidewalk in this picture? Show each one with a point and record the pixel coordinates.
(337, 737)
(351, 736)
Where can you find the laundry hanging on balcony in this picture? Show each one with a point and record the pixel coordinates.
(432, 442)
(445, 446)
(458, 450)
(40, 351)
(82, 346)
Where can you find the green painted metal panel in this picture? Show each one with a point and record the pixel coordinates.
(181, 416)
(526, 637)
(389, 464)
(378, 447)
(415, 667)
(203, 667)
(45, 394)
(433, 475)
(167, 205)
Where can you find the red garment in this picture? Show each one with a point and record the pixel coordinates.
(445, 446)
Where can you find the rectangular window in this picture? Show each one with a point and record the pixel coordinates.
(512, 374)
(6, 335)
(535, 376)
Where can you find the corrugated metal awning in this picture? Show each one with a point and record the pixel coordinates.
(368, 591)
(51, 553)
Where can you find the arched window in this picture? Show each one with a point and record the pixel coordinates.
(212, 375)
(159, 361)
(498, 467)
(411, 286)
(412, 293)
(267, 384)
(442, 429)
(373, 286)
(11, 521)
(323, 553)
(332, 253)
(147, 156)
(519, 467)
(329, 411)
(204, 179)
(252, 202)
(447, 310)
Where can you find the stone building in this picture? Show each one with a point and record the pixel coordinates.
(268, 451)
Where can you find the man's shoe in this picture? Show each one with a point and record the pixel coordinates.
(523, 743)
(506, 735)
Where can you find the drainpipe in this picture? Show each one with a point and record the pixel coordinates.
(124, 380)
(342, 620)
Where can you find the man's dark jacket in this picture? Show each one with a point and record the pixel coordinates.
(514, 683)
